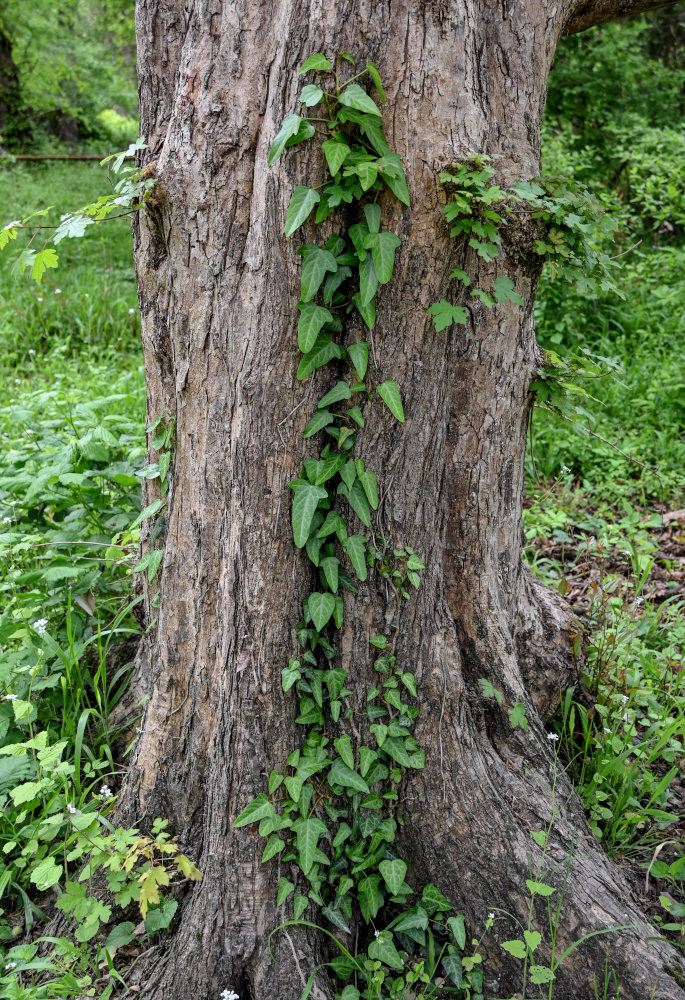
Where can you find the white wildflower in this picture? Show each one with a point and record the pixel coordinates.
(58, 291)
(491, 916)
(11, 965)
(29, 431)
(131, 312)
(31, 350)
(624, 698)
(39, 298)
(552, 736)
(41, 626)
(10, 697)
(71, 809)
(87, 295)
(376, 934)
(18, 381)
(105, 792)
(606, 729)
(7, 520)
(228, 995)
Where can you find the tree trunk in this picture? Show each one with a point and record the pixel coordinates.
(218, 285)
(10, 98)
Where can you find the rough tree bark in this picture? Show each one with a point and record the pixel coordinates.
(218, 285)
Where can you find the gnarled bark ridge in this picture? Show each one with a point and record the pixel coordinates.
(218, 285)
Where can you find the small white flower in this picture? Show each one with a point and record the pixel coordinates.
(228, 995)
(10, 697)
(606, 729)
(31, 350)
(491, 916)
(13, 503)
(87, 295)
(18, 381)
(29, 431)
(624, 698)
(565, 468)
(71, 809)
(39, 298)
(105, 792)
(41, 626)
(11, 965)
(7, 520)
(131, 312)
(376, 934)
(552, 736)
(58, 291)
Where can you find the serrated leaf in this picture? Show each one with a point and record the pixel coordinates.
(354, 96)
(461, 275)
(335, 153)
(315, 61)
(359, 356)
(540, 974)
(393, 873)
(517, 715)
(339, 391)
(42, 260)
(304, 506)
(321, 608)
(490, 691)
(539, 888)
(288, 129)
(390, 394)
(302, 201)
(444, 314)
(503, 290)
(311, 95)
(382, 247)
(341, 774)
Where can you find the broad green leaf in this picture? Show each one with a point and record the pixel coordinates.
(304, 506)
(445, 314)
(453, 967)
(533, 939)
(458, 930)
(339, 391)
(356, 497)
(461, 275)
(350, 993)
(300, 904)
(488, 251)
(355, 546)
(308, 832)
(316, 61)
(328, 467)
(290, 675)
(312, 318)
(390, 168)
(302, 201)
(348, 474)
(390, 394)
(517, 715)
(432, 899)
(334, 281)
(414, 919)
(46, 874)
(343, 745)
(393, 873)
(323, 351)
(311, 95)
(42, 260)
(503, 290)
(356, 414)
(304, 132)
(336, 918)
(540, 888)
(372, 214)
(273, 845)
(254, 811)
(382, 247)
(366, 172)
(354, 97)
(341, 774)
(288, 129)
(329, 568)
(321, 419)
(368, 280)
(515, 948)
(321, 608)
(284, 889)
(359, 356)
(382, 949)
(372, 70)
(335, 153)
(316, 262)
(120, 936)
(540, 974)
(275, 781)
(368, 481)
(368, 895)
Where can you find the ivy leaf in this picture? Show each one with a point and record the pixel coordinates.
(432, 899)
(300, 904)
(445, 314)
(321, 419)
(284, 889)
(315, 263)
(341, 774)
(484, 297)
(304, 506)
(372, 214)
(302, 201)
(457, 930)
(329, 568)
(368, 895)
(392, 171)
(383, 950)
(323, 351)
(316, 61)
(339, 391)
(488, 251)
(359, 356)
(273, 845)
(355, 546)
(288, 129)
(390, 394)
(254, 811)
(336, 153)
(336, 918)
(517, 715)
(304, 132)
(321, 607)
(515, 948)
(461, 275)
(356, 497)
(311, 95)
(372, 70)
(354, 97)
(308, 832)
(382, 247)
(503, 290)
(368, 280)
(348, 474)
(344, 747)
(312, 318)
(453, 967)
(368, 481)
(393, 873)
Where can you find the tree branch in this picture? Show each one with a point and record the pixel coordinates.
(587, 13)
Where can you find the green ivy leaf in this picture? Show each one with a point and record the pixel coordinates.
(355, 546)
(341, 774)
(392, 171)
(368, 281)
(444, 314)
(382, 949)
(359, 356)
(300, 904)
(321, 419)
(354, 97)
(316, 262)
(368, 481)
(311, 95)
(432, 899)
(336, 152)
(308, 832)
(453, 967)
(254, 811)
(289, 675)
(323, 351)
(382, 247)
(339, 391)
(372, 70)
(458, 930)
(370, 897)
(273, 845)
(503, 290)
(304, 506)
(390, 394)
(302, 201)
(343, 745)
(356, 497)
(321, 608)
(284, 889)
(329, 568)
(288, 129)
(316, 61)
(393, 873)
